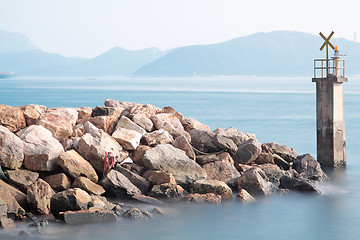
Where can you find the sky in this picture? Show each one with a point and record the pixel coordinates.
(87, 28)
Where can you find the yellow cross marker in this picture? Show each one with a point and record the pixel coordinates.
(327, 43)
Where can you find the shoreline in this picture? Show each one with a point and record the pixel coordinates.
(154, 157)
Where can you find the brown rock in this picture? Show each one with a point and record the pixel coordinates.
(255, 182)
(84, 112)
(213, 186)
(244, 196)
(237, 136)
(60, 127)
(143, 121)
(106, 123)
(242, 167)
(41, 149)
(6, 223)
(125, 122)
(182, 143)
(101, 202)
(221, 170)
(128, 139)
(285, 152)
(30, 114)
(94, 145)
(172, 111)
(190, 124)
(158, 137)
(204, 198)
(69, 200)
(39, 195)
(282, 163)
(3, 207)
(264, 158)
(88, 186)
(148, 110)
(11, 149)
(12, 118)
(116, 183)
(12, 206)
(160, 177)
(58, 182)
(135, 213)
(19, 196)
(138, 154)
(171, 124)
(22, 178)
(75, 165)
(69, 113)
(167, 190)
(78, 131)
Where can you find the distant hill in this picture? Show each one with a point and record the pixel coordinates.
(279, 53)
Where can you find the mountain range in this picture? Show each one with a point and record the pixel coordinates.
(279, 53)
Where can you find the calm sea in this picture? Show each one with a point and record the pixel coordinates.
(275, 109)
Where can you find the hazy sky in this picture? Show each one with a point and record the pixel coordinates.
(87, 28)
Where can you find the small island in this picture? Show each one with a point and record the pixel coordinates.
(88, 165)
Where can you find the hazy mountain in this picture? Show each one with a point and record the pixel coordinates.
(13, 42)
(279, 53)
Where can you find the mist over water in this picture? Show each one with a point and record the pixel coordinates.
(275, 109)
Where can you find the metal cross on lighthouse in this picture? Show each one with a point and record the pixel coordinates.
(326, 44)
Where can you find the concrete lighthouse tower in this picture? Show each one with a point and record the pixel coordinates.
(329, 75)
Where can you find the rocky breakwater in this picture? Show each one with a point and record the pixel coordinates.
(81, 164)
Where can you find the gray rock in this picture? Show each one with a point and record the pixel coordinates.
(203, 141)
(190, 124)
(6, 223)
(279, 161)
(247, 152)
(11, 149)
(203, 198)
(255, 182)
(237, 136)
(117, 184)
(41, 149)
(169, 159)
(147, 199)
(22, 178)
(309, 168)
(298, 184)
(143, 121)
(88, 216)
(135, 213)
(125, 122)
(135, 179)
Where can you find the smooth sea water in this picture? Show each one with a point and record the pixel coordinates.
(275, 109)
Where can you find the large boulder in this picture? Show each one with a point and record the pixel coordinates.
(39, 195)
(126, 123)
(158, 137)
(285, 152)
(222, 170)
(203, 141)
(22, 178)
(247, 152)
(135, 179)
(307, 166)
(11, 149)
(87, 185)
(166, 158)
(117, 184)
(255, 182)
(69, 200)
(69, 113)
(213, 186)
(190, 124)
(41, 149)
(274, 173)
(237, 136)
(75, 165)
(128, 139)
(12, 118)
(60, 127)
(58, 182)
(94, 145)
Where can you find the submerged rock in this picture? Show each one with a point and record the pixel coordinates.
(167, 190)
(88, 216)
(135, 213)
(203, 198)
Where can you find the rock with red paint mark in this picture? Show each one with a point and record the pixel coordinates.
(190, 124)
(203, 198)
(11, 149)
(69, 200)
(213, 186)
(39, 195)
(94, 145)
(75, 165)
(58, 182)
(158, 137)
(22, 178)
(41, 149)
(128, 139)
(12, 118)
(87, 185)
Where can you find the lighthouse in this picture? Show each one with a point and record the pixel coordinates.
(329, 76)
